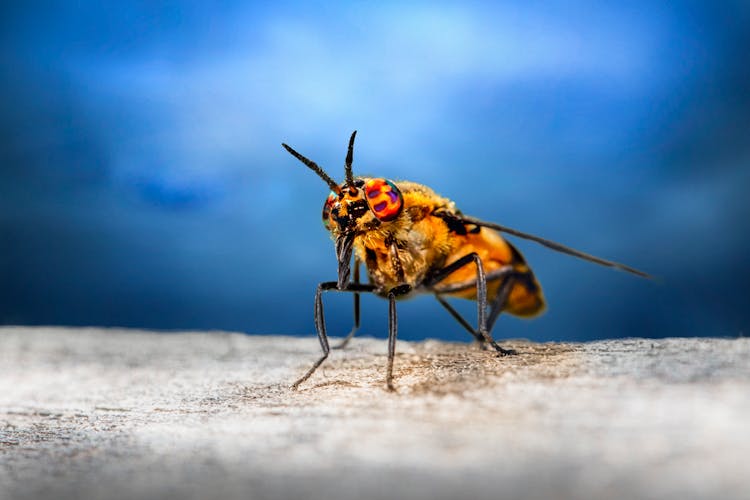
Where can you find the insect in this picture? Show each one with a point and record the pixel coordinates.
(411, 240)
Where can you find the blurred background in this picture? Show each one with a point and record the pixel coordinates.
(143, 184)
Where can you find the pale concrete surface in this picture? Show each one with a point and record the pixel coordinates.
(88, 413)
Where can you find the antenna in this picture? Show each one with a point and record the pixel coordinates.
(348, 164)
(315, 168)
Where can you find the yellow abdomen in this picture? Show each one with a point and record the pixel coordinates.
(526, 298)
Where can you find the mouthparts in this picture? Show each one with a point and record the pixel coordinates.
(344, 247)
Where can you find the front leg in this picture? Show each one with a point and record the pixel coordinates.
(354, 329)
(393, 331)
(320, 324)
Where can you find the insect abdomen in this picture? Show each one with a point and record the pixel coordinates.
(525, 299)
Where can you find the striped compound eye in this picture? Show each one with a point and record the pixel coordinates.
(327, 206)
(384, 199)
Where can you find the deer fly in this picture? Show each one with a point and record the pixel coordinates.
(411, 241)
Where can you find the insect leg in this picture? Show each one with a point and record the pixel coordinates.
(393, 331)
(320, 324)
(482, 326)
(346, 340)
(481, 285)
(497, 306)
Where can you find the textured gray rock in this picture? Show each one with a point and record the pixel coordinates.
(91, 413)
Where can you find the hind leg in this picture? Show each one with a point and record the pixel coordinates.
(496, 307)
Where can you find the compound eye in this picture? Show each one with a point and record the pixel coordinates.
(384, 199)
(327, 206)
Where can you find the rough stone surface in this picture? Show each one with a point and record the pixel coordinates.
(91, 413)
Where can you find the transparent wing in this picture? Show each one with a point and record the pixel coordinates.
(553, 245)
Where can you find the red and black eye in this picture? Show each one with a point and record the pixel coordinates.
(327, 206)
(384, 199)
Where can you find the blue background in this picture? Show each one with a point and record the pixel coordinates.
(143, 183)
